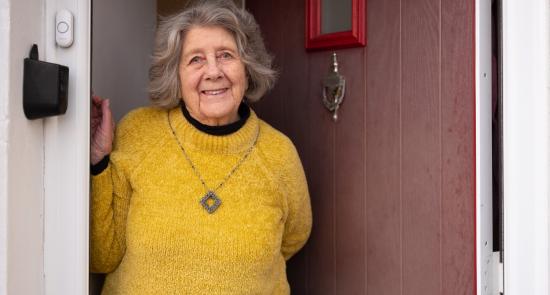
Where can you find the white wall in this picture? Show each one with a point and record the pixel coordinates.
(21, 155)
(123, 34)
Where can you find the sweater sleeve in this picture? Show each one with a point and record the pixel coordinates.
(299, 217)
(110, 199)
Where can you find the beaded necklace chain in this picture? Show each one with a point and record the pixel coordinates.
(210, 194)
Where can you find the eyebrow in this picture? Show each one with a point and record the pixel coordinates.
(198, 50)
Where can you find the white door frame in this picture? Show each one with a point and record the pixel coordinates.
(526, 177)
(21, 154)
(484, 189)
(525, 150)
(66, 172)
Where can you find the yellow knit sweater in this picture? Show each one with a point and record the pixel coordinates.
(152, 236)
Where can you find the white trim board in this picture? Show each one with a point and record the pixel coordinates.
(526, 177)
(66, 178)
(484, 208)
(23, 191)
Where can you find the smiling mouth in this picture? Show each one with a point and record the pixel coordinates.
(214, 92)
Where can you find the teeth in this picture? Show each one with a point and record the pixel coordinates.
(213, 92)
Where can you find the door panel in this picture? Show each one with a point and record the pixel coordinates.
(420, 142)
(457, 147)
(392, 182)
(384, 224)
(349, 207)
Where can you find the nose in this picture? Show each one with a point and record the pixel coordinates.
(213, 70)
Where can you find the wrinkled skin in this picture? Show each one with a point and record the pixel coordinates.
(102, 129)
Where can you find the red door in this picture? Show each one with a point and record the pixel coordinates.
(392, 183)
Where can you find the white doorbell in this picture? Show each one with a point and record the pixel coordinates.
(64, 28)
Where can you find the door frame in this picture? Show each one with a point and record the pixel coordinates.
(526, 165)
(66, 156)
(483, 121)
(526, 175)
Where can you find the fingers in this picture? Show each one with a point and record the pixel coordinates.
(96, 107)
(96, 99)
(107, 122)
(102, 128)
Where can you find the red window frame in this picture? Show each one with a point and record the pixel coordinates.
(353, 38)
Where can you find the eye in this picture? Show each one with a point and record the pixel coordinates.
(195, 59)
(225, 55)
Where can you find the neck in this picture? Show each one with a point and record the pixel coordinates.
(214, 121)
(232, 138)
(234, 124)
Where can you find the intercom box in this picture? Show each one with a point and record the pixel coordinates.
(45, 88)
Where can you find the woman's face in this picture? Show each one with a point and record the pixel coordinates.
(212, 76)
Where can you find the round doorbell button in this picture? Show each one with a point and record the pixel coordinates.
(64, 28)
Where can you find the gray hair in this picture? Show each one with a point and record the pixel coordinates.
(164, 83)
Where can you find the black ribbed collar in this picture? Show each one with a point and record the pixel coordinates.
(244, 113)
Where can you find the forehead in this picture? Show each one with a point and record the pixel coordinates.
(200, 38)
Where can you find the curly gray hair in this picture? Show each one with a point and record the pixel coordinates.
(164, 83)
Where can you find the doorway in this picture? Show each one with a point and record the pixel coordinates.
(391, 183)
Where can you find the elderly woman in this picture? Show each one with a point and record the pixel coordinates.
(198, 195)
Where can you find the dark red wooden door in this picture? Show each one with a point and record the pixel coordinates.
(392, 183)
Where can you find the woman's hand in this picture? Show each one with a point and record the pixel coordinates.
(102, 129)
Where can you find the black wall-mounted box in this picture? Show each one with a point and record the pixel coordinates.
(45, 87)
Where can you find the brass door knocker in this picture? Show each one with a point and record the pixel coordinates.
(334, 88)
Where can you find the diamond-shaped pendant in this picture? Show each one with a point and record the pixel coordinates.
(210, 195)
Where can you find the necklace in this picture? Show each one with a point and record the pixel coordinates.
(210, 195)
